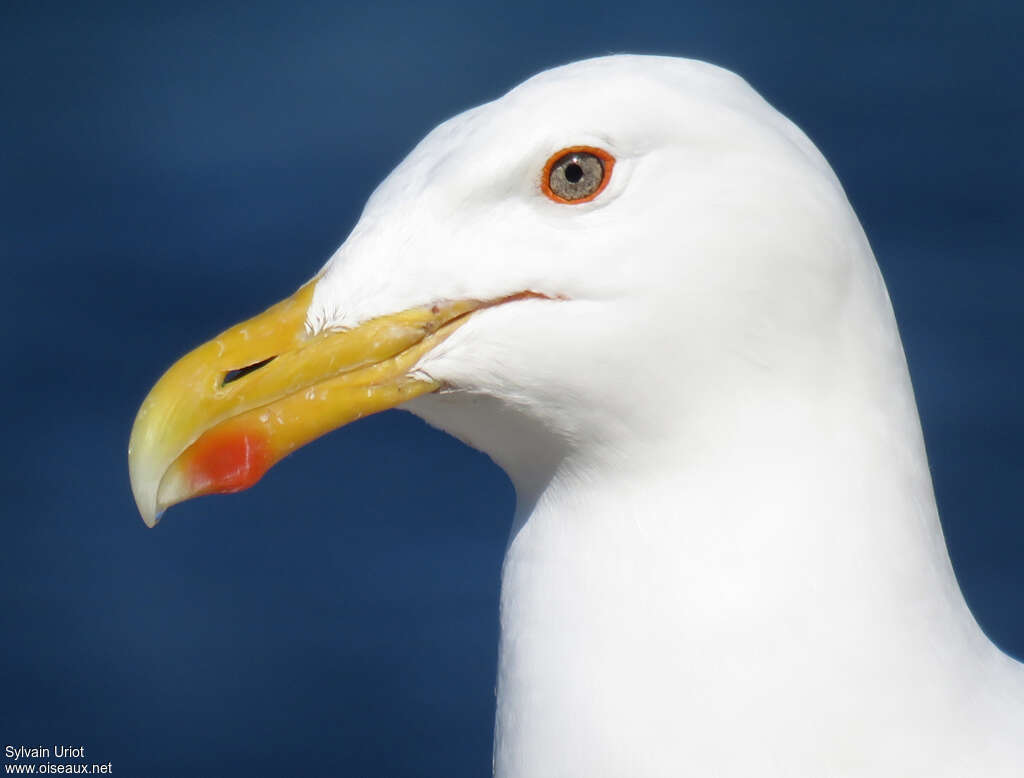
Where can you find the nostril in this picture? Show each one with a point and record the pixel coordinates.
(242, 372)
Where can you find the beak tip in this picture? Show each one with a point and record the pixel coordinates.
(145, 492)
(150, 511)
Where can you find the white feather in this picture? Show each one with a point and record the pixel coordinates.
(726, 558)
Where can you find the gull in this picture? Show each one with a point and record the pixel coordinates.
(643, 293)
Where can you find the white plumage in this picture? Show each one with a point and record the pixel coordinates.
(726, 558)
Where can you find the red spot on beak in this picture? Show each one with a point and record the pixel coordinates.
(228, 460)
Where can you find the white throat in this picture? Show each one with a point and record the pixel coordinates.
(771, 571)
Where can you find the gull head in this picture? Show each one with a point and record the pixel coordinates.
(620, 245)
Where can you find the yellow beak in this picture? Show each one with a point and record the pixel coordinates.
(229, 410)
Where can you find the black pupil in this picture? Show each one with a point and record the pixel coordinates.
(573, 172)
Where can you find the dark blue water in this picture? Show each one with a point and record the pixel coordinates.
(168, 168)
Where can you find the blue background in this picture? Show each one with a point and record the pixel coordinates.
(169, 168)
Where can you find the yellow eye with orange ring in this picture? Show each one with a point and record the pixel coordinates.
(577, 174)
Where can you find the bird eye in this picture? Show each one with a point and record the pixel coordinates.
(577, 174)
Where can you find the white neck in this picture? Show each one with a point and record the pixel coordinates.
(743, 570)
(810, 617)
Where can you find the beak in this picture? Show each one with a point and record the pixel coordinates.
(228, 411)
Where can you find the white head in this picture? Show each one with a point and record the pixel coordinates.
(715, 274)
(709, 261)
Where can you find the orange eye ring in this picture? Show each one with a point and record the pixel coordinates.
(606, 160)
